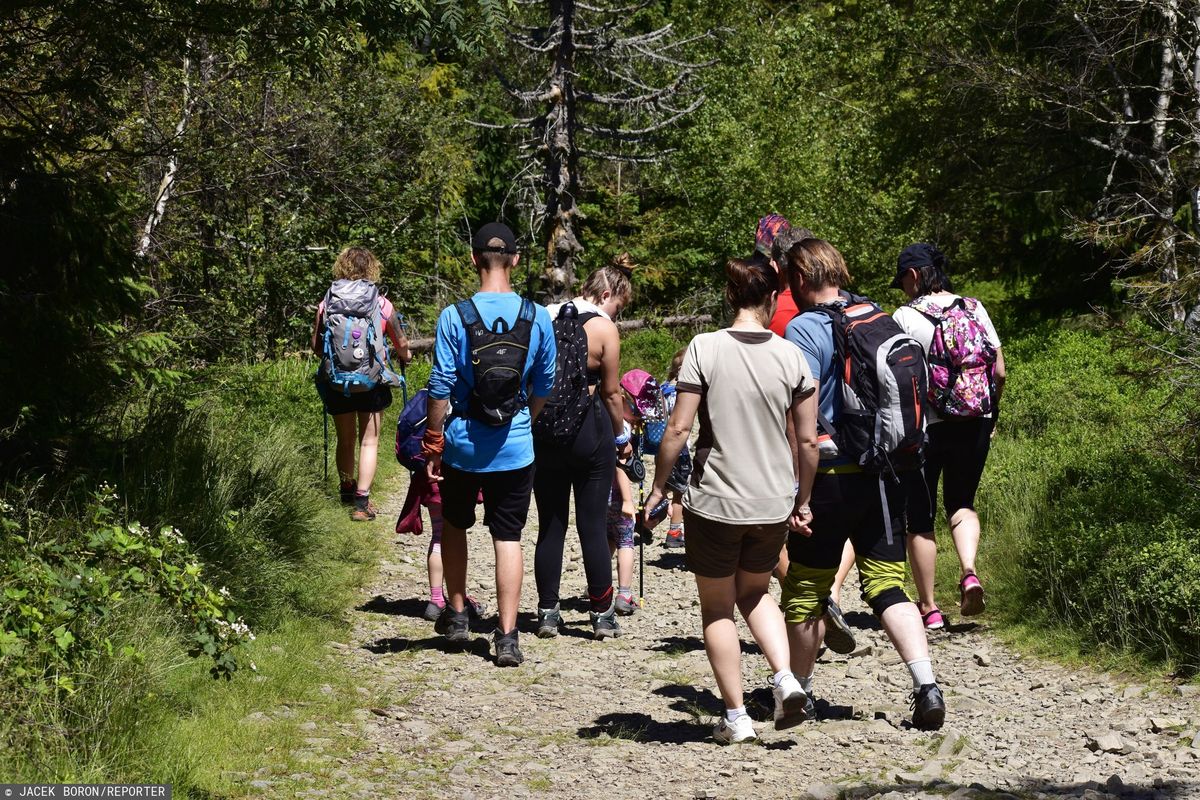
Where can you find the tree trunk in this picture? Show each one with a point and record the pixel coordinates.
(168, 180)
(562, 159)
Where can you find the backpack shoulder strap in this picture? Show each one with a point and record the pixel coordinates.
(468, 312)
(586, 316)
(527, 312)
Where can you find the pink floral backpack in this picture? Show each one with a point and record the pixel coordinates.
(961, 358)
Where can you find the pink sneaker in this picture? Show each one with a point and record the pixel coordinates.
(972, 595)
(934, 621)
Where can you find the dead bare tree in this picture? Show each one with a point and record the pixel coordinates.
(1124, 76)
(602, 84)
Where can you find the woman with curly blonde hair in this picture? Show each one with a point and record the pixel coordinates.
(357, 415)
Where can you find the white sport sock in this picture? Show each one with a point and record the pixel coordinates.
(733, 713)
(922, 672)
(781, 675)
(806, 685)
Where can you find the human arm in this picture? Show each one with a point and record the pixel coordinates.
(625, 487)
(442, 378)
(395, 332)
(609, 339)
(542, 366)
(803, 414)
(316, 344)
(434, 439)
(679, 427)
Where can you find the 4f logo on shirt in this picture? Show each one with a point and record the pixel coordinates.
(502, 351)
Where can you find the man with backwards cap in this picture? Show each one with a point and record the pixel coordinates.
(478, 435)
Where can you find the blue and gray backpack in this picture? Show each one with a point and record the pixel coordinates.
(354, 356)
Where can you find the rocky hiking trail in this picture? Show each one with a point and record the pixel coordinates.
(632, 717)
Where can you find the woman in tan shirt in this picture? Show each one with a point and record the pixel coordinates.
(747, 485)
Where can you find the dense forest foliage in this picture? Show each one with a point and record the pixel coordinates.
(176, 179)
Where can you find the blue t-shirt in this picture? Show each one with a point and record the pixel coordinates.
(813, 334)
(472, 445)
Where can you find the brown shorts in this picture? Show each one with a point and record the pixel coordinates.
(718, 549)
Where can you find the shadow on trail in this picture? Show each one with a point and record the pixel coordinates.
(398, 644)
(1166, 790)
(862, 620)
(407, 607)
(669, 559)
(636, 727)
(676, 645)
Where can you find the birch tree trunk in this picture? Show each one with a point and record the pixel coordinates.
(562, 162)
(168, 180)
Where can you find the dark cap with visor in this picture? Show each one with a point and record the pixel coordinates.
(915, 256)
(494, 230)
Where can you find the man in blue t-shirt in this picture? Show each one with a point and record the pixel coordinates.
(476, 442)
(848, 504)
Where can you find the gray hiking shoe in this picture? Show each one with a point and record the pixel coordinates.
(549, 622)
(508, 654)
(604, 624)
(625, 607)
(838, 636)
(432, 611)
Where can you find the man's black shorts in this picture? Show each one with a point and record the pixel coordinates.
(505, 499)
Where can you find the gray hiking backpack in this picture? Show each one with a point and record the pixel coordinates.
(355, 352)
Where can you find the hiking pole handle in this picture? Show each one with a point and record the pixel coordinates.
(646, 532)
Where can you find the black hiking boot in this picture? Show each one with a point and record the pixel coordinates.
(549, 622)
(604, 623)
(508, 654)
(929, 708)
(454, 625)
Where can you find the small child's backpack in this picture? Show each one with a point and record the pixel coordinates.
(569, 400)
(647, 401)
(498, 363)
(962, 360)
(410, 429)
(355, 352)
(882, 375)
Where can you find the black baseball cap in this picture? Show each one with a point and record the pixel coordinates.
(915, 256)
(490, 231)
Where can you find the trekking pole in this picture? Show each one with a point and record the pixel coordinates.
(325, 425)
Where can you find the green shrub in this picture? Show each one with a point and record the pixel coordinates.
(1090, 525)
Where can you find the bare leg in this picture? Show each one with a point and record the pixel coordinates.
(368, 448)
(922, 558)
(903, 625)
(764, 618)
(509, 570)
(964, 526)
(347, 440)
(454, 562)
(721, 642)
(843, 570)
(804, 639)
(435, 547)
(625, 566)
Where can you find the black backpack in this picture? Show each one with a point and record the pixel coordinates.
(568, 404)
(882, 374)
(497, 362)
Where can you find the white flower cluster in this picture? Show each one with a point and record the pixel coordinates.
(174, 535)
(240, 629)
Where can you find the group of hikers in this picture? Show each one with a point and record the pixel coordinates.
(825, 428)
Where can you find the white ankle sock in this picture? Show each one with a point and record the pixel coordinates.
(732, 714)
(806, 684)
(922, 672)
(780, 676)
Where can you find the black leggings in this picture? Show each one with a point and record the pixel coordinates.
(957, 451)
(586, 466)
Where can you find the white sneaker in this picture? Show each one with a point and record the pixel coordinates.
(736, 732)
(791, 703)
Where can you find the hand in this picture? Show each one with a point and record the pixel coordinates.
(801, 520)
(656, 497)
(433, 467)
(624, 451)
